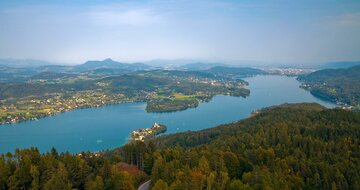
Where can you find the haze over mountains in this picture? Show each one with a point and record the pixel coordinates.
(183, 64)
(21, 63)
(180, 64)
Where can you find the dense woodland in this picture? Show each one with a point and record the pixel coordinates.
(337, 85)
(302, 146)
(169, 105)
(28, 169)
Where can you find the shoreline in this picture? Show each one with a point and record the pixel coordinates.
(145, 134)
(140, 107)
(200, 101)
(61, 112)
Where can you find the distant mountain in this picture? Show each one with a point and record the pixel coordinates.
(199, 66)
(234, 71)
(9, 74)
(110, 64)
(170, 63)
(107, 71)
(52, 75)
(109, 67)
(20, 63)
(14, 71)
(339, 64)
(55, 68)
(327, 75)
(179, 63)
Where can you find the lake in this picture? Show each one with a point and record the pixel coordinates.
(108, 127)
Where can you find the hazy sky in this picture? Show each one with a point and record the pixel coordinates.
(296, 31)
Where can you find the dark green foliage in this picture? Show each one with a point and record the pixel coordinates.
(168, 105)
(59, 180)
(28, 169)
(96, 184)
(119, 180)
(24, 89)
(136, 153)
(301, 146)
(161, 185)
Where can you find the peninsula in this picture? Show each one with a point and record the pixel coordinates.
(148, 133)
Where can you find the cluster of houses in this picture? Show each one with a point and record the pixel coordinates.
(142, 134)
(38, 108)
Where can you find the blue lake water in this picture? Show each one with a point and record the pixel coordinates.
(108, 127)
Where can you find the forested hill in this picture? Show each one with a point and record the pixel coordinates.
(338, 85)
(302, 146)
(279, 113)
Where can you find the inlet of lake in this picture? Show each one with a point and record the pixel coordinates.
(108, 127)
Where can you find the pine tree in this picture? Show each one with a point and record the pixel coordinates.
(59, 180)
(35, 174)
(96, 184)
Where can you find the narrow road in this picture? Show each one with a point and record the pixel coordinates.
(145, 186)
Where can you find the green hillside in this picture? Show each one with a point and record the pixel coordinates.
(337, 85)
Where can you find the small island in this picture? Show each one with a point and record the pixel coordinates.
(148, 133)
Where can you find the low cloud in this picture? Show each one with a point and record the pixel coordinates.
(134, 17)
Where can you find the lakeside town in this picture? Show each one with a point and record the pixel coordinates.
(33, 109)
(288, 71)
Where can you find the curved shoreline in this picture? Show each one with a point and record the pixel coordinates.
(169, 110)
